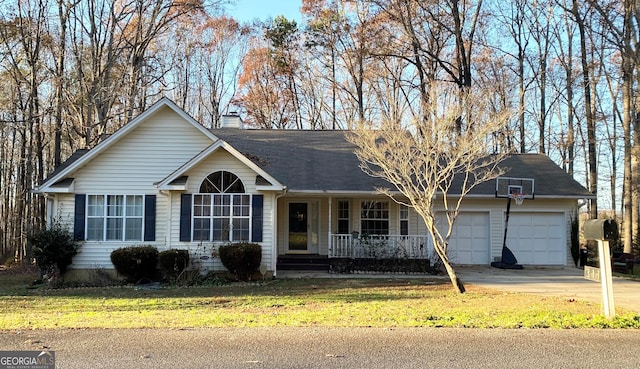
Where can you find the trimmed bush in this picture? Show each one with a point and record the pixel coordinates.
(173, 262)
(241, 259)
(136, 262)
(53, 247)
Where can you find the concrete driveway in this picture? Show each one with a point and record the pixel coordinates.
(566, 282)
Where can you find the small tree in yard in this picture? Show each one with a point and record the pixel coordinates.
(433, 165)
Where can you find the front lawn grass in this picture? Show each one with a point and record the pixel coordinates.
(295, 302)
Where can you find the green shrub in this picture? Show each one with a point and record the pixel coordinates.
(53, 247)
(173, 262)
(241, 259)
(136, 262)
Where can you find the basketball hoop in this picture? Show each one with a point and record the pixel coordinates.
(519, 197)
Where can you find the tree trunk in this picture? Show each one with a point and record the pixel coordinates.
(455, 281)
(628, 117)
(591, 124)
(542, 120)
(521, 102)
(571, 139)
(627, 198)
(63, 14)
(635, 185)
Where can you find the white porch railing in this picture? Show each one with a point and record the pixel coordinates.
(380, 247)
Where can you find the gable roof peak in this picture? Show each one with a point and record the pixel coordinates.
(73, 163)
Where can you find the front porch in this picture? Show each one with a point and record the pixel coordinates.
(349, 253)
(355, 246)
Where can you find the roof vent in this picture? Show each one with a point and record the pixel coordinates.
(231, 120)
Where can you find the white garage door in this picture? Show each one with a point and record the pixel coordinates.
(538, 238)
(469, 242)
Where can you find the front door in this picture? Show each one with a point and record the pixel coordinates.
(303, 227)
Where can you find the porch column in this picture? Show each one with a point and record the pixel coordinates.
(329, 245)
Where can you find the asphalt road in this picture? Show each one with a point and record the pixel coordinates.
(333, 348)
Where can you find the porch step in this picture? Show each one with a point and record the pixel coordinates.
(303, 262)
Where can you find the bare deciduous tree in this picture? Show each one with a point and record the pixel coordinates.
(622, 22)
(432, 172)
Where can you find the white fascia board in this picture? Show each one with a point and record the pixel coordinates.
(115, 137)
(55, 189)
(182, 187)
(268, 188)
(164, 184)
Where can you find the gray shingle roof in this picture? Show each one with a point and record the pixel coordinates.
(303, 160)
(325, 161)
(72, 159)
(550, 179)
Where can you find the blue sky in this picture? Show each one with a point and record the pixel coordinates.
(248, 10)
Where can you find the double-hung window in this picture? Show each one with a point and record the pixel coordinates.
(221, 211)
(374, 217)
(404, 220)
(221, 217)
(343, 216)
(115, 217)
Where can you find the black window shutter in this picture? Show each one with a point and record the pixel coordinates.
(256, 219)
(78, 217)
(150, 217)
(185, 217)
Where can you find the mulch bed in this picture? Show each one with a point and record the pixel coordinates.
(18, 269)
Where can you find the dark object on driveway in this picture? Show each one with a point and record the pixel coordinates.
(622, 262)
(584, 255)
(508, 261)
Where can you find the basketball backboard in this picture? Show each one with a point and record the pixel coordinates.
(508, 186)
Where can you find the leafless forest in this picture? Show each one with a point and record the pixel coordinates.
(74, 71)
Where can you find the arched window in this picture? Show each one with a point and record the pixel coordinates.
(222, 182)
(222, 209)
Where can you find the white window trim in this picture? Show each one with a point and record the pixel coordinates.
(105, 217)
(230, 217)
(403, 208)
(348, 218)
(388, 218)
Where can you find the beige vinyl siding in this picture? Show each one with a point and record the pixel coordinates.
(217, 161)
(131, 166)
(149, 153)
(221, 160)
(496, 233)
(323, 202)
(63, 208)
(493, 210)
(567, 215)
(97, 254)
(281, 218)
(497, 213)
